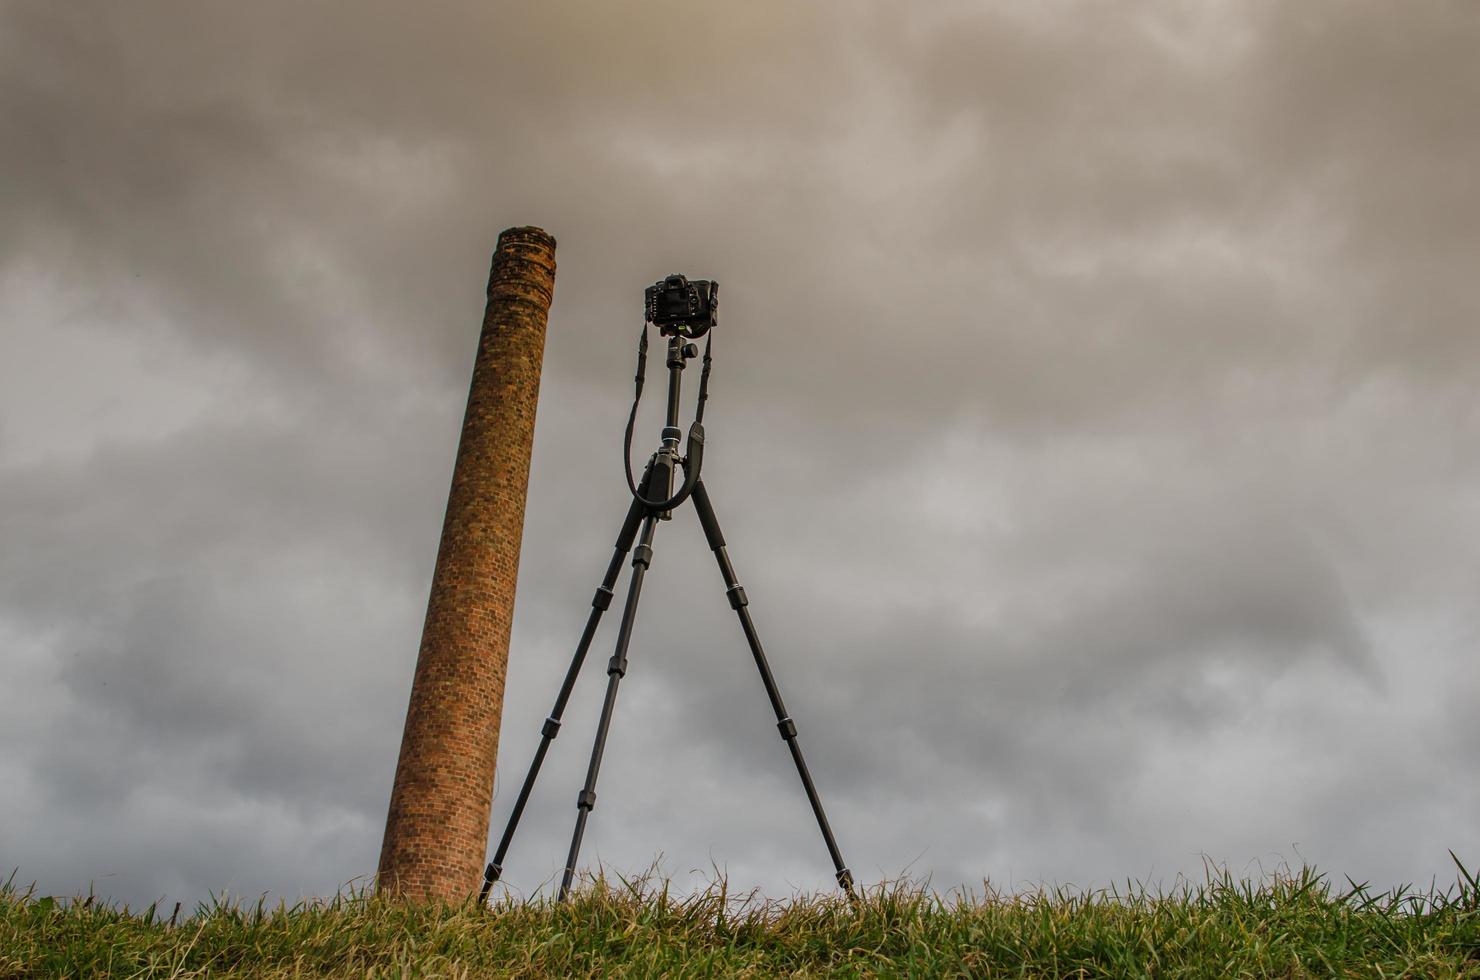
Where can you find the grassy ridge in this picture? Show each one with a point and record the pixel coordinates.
(1291, 925)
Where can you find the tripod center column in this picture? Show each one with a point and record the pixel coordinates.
(436, 832)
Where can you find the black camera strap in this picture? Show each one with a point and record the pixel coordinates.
(703, 378)
(695, 457)
(642, 348)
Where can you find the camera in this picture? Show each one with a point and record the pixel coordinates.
(683, 307)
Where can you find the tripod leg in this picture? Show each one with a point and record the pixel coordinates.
(642, 557)
(788, 728)
(551, 727)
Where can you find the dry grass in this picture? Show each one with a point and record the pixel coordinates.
(1289, 925)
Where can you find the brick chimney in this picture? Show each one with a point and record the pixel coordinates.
(436, 833)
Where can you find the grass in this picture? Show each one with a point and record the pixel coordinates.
(1296, 924)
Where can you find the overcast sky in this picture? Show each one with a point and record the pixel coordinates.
(1094, 425)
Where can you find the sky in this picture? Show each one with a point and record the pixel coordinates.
(1093, 425)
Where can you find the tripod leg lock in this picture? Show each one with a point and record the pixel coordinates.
(736, 595)
(642, 555)
(617, 665)
(845, 880)
(587, 800)
(603, 598)
(788, 729)
(550, 728)
(490, 875)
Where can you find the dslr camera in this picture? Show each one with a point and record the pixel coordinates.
(683, 307)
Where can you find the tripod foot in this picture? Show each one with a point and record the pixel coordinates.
(845, 882)
(490, 875)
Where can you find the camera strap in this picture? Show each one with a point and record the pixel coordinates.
(642, 348)
(703, 379)
(695, 457)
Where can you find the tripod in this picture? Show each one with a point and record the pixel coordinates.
(640, 525)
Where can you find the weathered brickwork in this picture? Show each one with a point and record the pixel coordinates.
(436, 833)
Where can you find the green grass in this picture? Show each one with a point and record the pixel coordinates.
(1288, 925)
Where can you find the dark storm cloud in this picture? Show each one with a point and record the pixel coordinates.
(1090, 427)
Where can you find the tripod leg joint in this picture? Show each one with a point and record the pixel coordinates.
(642, 555)
(587, 800)
(788, 729)
(603, 598)
(737, 597)
(491, 874)
(550, 728)
(617, 665)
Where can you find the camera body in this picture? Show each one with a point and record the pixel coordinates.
(683, 307)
